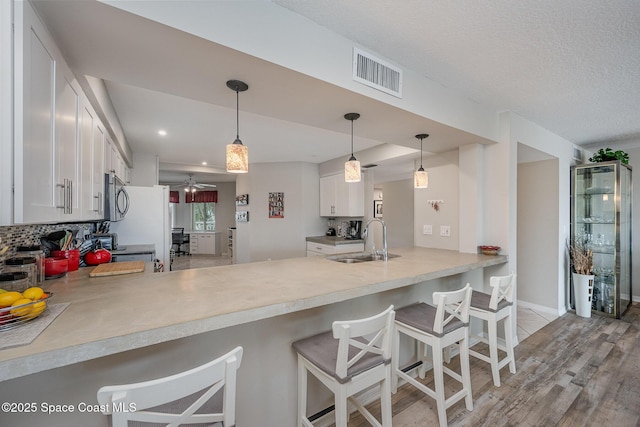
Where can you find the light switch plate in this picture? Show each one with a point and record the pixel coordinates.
(445, 231)
(427, 230)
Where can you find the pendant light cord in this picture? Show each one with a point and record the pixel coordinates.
(421, 151)
(351, 138)
(237, 115)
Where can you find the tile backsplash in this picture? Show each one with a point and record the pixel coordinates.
(28, 235)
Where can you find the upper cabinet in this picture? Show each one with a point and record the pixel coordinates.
(339, 198)
(36, 192)
(61, 150)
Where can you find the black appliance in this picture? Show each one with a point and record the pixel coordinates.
(354, 230)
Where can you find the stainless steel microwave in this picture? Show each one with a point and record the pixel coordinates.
(116, 200)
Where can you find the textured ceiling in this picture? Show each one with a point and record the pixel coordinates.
(572, 66)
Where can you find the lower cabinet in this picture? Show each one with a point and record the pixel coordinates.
(204, 243)
(319, 249)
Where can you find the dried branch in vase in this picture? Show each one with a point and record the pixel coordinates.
(581, 257)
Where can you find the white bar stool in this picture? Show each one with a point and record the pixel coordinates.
(173, 400)
(352, 358)
(493, 308)
(438, 327)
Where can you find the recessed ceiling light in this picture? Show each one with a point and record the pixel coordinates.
(162, 132)
(204, 163)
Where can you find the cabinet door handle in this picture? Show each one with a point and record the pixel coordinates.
(99, 197)
(67, 190)
(70, 197)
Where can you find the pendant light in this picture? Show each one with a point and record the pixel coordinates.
(420, 177)
(352, 166)
(237, 154)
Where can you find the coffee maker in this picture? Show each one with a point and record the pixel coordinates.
(354, 229)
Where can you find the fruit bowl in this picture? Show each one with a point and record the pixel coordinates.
(16, 315)
(490, 250)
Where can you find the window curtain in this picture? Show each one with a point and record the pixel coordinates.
(174, 197)
(203, 197)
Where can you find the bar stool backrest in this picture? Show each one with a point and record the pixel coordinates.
(451, 305)
(158, 394)
(502, 290)
(370, 335)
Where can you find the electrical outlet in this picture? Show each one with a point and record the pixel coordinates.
(427, 230)
(445, 231)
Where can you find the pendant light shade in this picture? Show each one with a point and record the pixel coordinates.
(352, 166)
(421, 177)
(237, 153)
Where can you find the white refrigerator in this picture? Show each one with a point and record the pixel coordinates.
(148, 221)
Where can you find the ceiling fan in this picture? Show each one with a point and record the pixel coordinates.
(190, 185)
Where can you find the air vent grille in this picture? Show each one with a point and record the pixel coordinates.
(376, 73)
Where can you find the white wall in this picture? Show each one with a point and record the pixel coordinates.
(398, 212)
(443, 185)
(501, 193)
(264, 238)
(145, 170)
(538, 262)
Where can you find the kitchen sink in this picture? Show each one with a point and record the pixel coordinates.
(357, 257)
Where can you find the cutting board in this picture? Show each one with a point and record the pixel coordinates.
(115, 268)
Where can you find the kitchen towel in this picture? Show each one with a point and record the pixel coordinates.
(29, 331)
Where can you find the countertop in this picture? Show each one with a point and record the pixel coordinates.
(109, 315)
(134, 249)
(333, 240)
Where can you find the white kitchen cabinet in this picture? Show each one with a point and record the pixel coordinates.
(339, 198)
(46, 168)
(67, 147)
(92, 166)
(97, 181)
(204, 243)
(86, 135)
(320, 249)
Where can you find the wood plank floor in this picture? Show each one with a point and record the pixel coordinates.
(573, 372)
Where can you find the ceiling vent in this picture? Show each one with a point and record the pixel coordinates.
(376, 73)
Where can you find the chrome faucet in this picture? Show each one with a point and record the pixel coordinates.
(384, 252)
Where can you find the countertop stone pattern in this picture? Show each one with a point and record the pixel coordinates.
(113, 314)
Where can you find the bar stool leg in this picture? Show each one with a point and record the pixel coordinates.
(422, 351)
(385, 409)
(302, 392)
(438, 379)
(394, 360)
(341, 413)
(465, 370)
(508, 338)
(493, 351)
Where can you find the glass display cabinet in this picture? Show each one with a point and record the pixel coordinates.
(601, 216)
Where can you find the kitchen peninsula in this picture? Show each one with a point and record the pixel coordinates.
(146, 325)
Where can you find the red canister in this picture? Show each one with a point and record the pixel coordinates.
(73, 255)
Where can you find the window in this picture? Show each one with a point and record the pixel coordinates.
(203, 216)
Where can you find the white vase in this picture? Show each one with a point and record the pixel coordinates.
(583, 291)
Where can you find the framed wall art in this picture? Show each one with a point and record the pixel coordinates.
(377, 208)
(242, 216)
(242, 199)
(276, 205)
